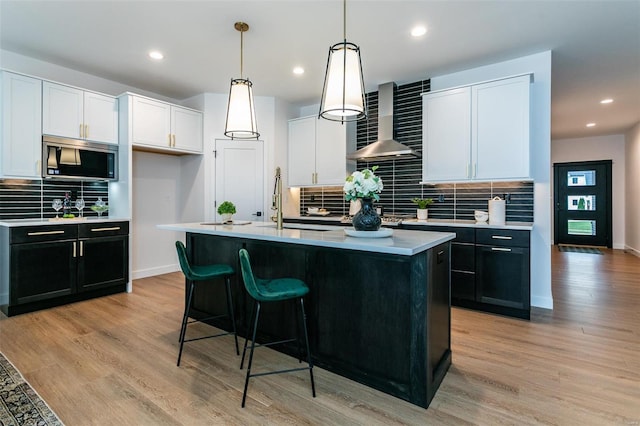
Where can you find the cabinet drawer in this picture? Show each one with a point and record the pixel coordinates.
(34, 234)
(103, 229)
(502, 237)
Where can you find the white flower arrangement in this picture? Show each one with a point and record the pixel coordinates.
(363, 184)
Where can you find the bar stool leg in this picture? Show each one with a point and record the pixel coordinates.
(306, 340)
(231, 313)
(253, 343)
(185, 318)
(246, 339)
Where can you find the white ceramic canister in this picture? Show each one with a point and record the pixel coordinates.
(497, 211)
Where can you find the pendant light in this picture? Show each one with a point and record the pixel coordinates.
(343, 92)
(241, 114)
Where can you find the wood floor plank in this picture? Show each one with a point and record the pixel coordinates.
(112, 361)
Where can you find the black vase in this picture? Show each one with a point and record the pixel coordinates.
(367, 219)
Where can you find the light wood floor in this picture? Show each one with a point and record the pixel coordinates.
(111, 361)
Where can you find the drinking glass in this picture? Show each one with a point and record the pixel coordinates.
(57, 205)
(80, 205)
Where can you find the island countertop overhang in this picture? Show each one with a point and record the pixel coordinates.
(402, 242)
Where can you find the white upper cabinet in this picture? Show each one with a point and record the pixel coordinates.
(318, 150)
(446, 134)
(186, 126)
(75, 113)
(479, 132)
(21, 121)
(165, 127)
(500, 129)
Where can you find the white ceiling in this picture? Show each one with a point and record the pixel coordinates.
(595, 44)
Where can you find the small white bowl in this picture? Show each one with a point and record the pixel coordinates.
(312, 209)
(481, 216)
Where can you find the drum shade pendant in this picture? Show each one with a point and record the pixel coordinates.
(343, 92)
(241, 113)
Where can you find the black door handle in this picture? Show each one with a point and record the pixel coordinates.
(257, 214)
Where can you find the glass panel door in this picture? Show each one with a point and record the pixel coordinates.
(583, 203)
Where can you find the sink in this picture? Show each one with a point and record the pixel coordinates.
(299, 227)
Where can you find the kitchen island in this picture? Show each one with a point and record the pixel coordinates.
(378, 308)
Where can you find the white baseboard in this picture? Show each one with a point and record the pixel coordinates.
(151, 272)
(632, 251)
(542, 302)
(619, 246)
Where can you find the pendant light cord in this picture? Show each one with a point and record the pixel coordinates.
(241, 51)
(344, 14)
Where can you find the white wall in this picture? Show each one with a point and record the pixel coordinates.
(540, 66)
(632, 189)
(599, 148)
(156, 190)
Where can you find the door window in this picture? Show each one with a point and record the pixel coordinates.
(581, 227)
(581, 178)
(581, 202)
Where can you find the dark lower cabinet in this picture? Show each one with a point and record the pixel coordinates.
(501, 273)
(40, 271)
(489, 269)
(50, 265)
(103, 256)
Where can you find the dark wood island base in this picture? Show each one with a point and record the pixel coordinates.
(381, 319)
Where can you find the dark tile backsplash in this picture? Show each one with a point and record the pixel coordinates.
(401, 178)
(31, 199)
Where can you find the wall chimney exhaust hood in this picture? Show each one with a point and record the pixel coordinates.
(385, 148)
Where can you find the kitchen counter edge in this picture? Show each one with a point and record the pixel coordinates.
(12, 223)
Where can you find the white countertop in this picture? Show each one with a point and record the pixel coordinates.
(402, 242)
(40, 222)
(526, 226)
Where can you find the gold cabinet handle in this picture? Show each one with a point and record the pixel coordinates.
(74, 249)
(38, 170)
(81, 130)
(45, 233)
(81, 248)
(169, 135)
(174, 140)
(86, 131)
(113, 228)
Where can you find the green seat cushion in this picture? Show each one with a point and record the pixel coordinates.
(280, 289)
(206, 272)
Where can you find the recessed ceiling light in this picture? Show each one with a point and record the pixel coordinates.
(298, 70)
(591, 124)
(155, 54)
(418, 31)
(606, 101)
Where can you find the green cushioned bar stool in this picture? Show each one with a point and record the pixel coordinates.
(197, 273)
(272, 290)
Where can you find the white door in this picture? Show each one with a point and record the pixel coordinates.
(239, 178)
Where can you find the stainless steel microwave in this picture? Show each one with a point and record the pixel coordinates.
(77, 159)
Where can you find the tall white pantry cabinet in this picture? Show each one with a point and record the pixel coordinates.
(478, 132)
